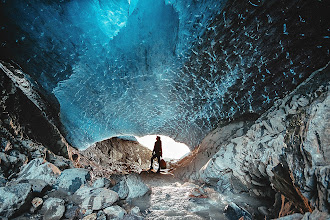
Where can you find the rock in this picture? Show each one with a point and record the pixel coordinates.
(234, 212)
(316, 214)
(90, 217)
(3, 181)
(102, 183)
(38, 186)
(36, 204)
(136, 187)
(95, 198)
(14, 198)
(115, 212)
(135, 211)
(101, 215)
(263, 210)
(53, 209)
(41, 170)
(72, 212)
(71, 180)
(121, 188)
(295, 216)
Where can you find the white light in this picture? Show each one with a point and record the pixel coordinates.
(171, 148)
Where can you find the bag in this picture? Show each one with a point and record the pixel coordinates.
(162, 164)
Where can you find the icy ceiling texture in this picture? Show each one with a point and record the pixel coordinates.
(137, 67)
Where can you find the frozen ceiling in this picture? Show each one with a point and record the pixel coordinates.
(177, 68)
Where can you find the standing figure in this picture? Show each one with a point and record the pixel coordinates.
(157, 152)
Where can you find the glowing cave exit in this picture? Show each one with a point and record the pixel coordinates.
(171, 148)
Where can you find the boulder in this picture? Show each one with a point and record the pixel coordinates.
(95, 198)
(14, 198)
(71, 180)
(121, 188)
(53, 209)
(102, 183)
(115, 212)
(234, 212)
(72, 211)
(131, 186)
(39, 187)
(38, 169)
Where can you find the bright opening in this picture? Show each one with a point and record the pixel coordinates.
(171, 148)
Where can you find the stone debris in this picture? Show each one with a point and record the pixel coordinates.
(95, 198)
(53, 209)
(39, 169)
(14, 198)
(71, 180)
(36, 204)
(115, 212)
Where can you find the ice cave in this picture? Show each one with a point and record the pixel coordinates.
(243, 85)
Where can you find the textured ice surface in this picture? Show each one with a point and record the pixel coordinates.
(138, 67)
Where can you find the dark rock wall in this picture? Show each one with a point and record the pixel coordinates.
(21, 116)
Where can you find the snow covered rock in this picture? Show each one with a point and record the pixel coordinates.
(53, 209)
(71, 180)
(38, 169)
(14, 198)
(95, 198)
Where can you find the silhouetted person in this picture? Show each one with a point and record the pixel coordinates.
(157, 152)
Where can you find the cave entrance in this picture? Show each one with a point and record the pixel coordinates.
(171, 148)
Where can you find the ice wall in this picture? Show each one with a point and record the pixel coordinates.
(138, 67)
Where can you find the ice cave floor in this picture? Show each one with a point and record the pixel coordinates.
(172, 198)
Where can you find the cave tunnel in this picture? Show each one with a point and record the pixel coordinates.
(242, 83)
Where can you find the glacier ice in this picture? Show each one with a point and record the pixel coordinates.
(170, 67)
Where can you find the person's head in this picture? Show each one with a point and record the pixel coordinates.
(158, 138)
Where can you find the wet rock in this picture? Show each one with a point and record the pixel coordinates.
(39, 169)
(102, 183)
(71, 180)
(115, 212)
(14, 198)
(53, 209)
(95, 198)
(36, 204)
(234, 212)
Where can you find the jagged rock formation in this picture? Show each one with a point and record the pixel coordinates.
(26, 115)
(285, 150)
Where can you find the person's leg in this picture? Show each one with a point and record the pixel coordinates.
(158, 157)
(152, 161)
